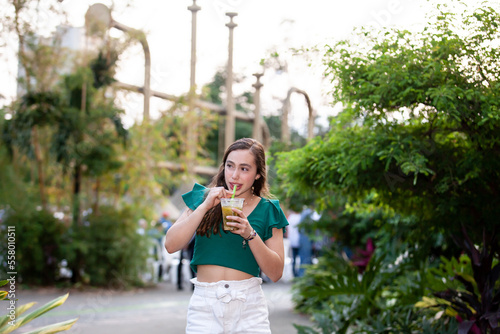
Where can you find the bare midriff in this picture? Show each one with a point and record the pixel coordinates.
(211, 273)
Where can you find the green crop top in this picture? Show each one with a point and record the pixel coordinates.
(226, 249)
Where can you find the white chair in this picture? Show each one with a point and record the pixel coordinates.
(287, 270)
(152, 262)
(166, 261)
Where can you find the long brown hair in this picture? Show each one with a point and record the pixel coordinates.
(212, 219)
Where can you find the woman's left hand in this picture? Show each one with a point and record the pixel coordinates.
(242, 226)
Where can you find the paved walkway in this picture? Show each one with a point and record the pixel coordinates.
(161, 309)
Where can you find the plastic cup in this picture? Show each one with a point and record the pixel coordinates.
(227, 205)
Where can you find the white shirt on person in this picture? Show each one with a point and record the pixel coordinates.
(293, 230)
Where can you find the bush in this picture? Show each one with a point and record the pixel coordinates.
(381, 299)
(105, 251)
(467, 290)
(39, 246)
(113, 253)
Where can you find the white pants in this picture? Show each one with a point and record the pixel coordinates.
(228, 307)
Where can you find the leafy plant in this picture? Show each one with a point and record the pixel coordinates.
(379, 300)
(420, 124)
(420, 130)
(40, 250)
(468, 289)
(11, 322)
(115, 257)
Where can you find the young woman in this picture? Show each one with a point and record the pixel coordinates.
(228, 297)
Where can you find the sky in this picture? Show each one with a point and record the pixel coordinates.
(262, 27)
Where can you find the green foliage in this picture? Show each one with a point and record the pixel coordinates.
(420, 126)
(468, 289)
(14, 192)
(213, 92)
(443, 277)
(295, 200)
(380, 300)
(274, 125)
(103, 68)
(64, 136)
(418, 137)
(39, 246)
(87, 137)
(33, 109)
(114, 258)
(76, 139)
(114, 254)
(143, 181)
(4, 295)
(11, 322)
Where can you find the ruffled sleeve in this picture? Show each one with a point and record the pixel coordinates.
(276, 218)
(195, 197)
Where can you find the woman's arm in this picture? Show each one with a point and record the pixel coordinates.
(270, 255)
(179, 235)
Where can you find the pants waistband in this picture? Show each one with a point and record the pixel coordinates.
(227, 290)
(243, 284)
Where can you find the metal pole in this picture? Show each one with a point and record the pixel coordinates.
(193, 8)
(230, 121)
(192, 127)
(147, 77)
(257, 131)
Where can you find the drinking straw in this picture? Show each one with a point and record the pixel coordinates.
(234, 191)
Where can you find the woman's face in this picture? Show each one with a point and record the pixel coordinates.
(240, 170)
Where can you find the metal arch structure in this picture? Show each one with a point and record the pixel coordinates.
(285, 129)
(221, 110)
(98, 19)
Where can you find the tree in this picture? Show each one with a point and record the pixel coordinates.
(87, 128)
(66, 124)
(420, 128)
(39, 58)
(443, 155)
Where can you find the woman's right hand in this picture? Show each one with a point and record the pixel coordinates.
(184, 228)
(214, 196)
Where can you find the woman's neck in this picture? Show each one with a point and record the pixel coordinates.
(247, 195)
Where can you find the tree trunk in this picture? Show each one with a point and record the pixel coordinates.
(77, 179)
(39, 166)
(97, 188)
(77, 182)
(77, 265)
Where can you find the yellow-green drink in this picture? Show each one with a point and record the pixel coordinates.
(227, 210)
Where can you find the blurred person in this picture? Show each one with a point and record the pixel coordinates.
(294, 238)
(305, 243)
(321, 241)
(228, 296)
(165, 221)
(157, 234)
(186, 253)
(143, 224)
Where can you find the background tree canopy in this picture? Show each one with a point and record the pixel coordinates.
(416, 147)
(420, 124)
